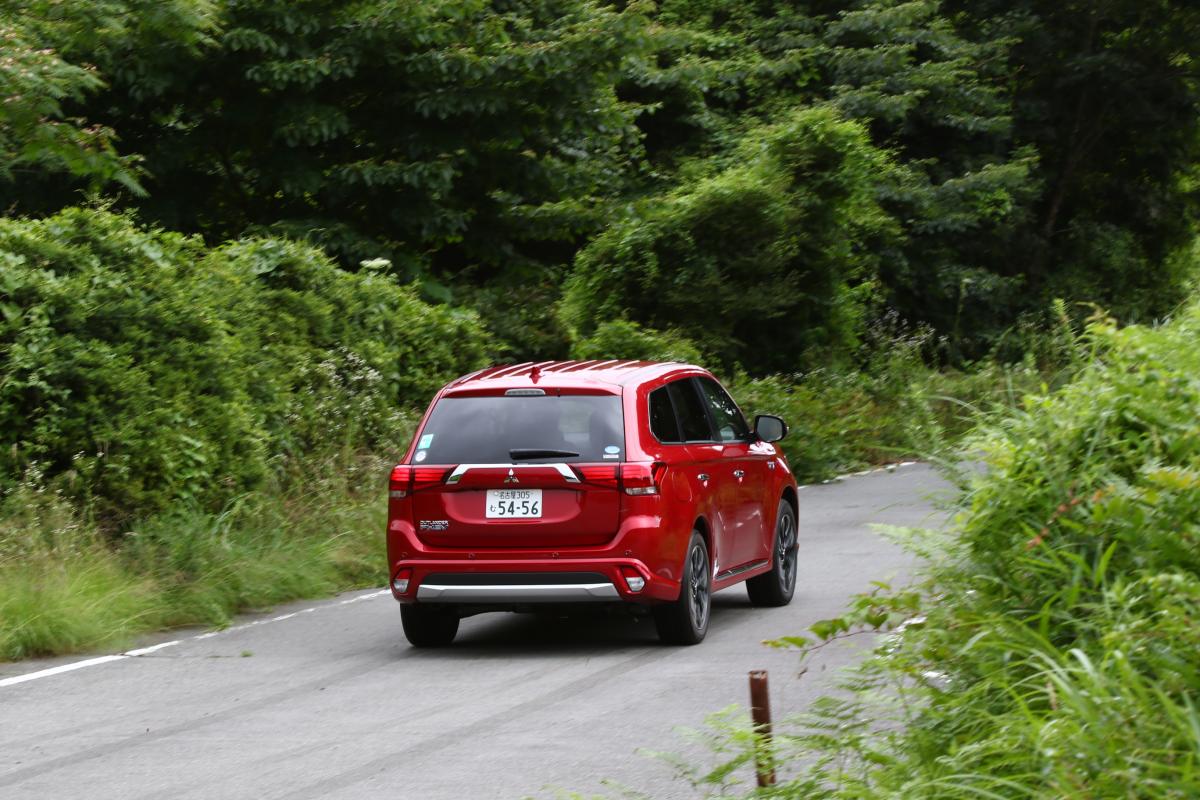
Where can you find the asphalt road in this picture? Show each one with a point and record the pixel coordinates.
(326, 699)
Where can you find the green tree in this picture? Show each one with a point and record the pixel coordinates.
(767, 263)
(1042, 149)
(963, 187)
(37, 134)
(1108, 92)
(140, 369)
(447, 135)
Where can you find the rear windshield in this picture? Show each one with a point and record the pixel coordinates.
(511, 430)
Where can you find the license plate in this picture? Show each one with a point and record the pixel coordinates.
(514, 503)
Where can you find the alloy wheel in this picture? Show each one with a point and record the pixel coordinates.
(699, 587)
(786, 551)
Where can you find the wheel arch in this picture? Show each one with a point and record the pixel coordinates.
(702, 527)
(789, 497)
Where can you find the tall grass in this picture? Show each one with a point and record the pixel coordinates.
(893, 406)
(1054, 650)
(65, 587)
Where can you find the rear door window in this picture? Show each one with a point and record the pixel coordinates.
(662, 417)
(731, 425)
(538, 430)
(693, 421)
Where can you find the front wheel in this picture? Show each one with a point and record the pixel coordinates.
(428, 627)
(685, 621)
(775, 588)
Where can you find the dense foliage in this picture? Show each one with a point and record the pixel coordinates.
(765, 262)
(142, 368)
(64, 587)
(1105, 94)
(494, 148)
(441, 135)
(1052, 652)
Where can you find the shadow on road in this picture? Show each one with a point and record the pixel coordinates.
(509, 635)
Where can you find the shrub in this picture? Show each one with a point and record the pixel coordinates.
(892, 408)
(1052, 652)
(624, 339)
(762, 264)
(140, 369)
(64, 588)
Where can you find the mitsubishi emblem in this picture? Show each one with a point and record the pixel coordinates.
(511, 478)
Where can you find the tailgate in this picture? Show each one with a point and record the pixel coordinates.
(519, 505)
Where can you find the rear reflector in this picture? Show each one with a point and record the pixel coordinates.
(400, 582)
(633, 580)
(641, 479)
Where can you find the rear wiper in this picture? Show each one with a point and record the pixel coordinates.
(521, 453)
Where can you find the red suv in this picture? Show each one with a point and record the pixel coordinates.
(621, 482)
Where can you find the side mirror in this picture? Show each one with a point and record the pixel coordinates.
(770, 428)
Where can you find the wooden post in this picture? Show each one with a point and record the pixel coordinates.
(760, 712)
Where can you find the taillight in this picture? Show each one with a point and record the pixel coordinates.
(407, 479)
(641, 479)
(599, 474)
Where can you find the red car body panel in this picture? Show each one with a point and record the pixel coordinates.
(590, 524)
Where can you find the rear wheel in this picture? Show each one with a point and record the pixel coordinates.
(775, 588)
(685, 621)
(428, 627)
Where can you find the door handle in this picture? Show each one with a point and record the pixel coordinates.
(739, 473)
(703, 476)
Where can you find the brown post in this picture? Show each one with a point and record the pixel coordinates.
(760, 712)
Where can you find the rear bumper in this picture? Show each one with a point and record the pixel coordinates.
(513, 582)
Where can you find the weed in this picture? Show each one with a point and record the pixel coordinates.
(1051, 651)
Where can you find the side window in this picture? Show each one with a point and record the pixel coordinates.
(693, 422)
(731, 425)
(662, 417)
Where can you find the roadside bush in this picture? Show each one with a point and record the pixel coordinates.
(140, 369)
(624, 339)
(893, 408)
(762, 264)
(1052, 651)
(64, 587)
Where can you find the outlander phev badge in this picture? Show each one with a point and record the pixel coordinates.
(511, 478)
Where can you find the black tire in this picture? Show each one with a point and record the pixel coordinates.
(428, 627)
(685, 621)
(775, 588)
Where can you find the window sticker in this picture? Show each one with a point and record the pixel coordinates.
(612, 448)
(425, 442)
(420, 456)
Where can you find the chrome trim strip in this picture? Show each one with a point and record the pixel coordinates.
(526, 593)
(729, 573)
(568, 475)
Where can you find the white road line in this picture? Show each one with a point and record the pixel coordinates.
(143, 651)
(875, 471)
(46, 673)
(154, 648)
